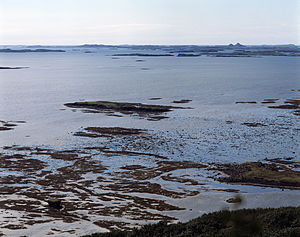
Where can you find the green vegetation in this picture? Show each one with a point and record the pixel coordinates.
(258, 173)
(275, 222)
(122, 106)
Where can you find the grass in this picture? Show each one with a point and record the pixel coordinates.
(259, 173)
(123, 106)
(275, 222)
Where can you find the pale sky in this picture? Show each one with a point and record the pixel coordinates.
(202, 22)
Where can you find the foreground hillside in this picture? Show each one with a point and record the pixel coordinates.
(283, 221)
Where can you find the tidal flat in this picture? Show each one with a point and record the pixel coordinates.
(117, 147)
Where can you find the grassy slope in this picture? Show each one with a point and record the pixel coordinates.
(275, 222)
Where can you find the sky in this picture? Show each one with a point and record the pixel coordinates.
(200, 22)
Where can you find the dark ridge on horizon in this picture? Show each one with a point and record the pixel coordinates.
(148, 45)
(231, 50)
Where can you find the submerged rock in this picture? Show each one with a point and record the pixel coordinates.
(183, 101)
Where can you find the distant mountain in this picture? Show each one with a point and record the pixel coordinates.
(237, 45)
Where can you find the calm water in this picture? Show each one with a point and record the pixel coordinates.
(212, 131)
(37, 94)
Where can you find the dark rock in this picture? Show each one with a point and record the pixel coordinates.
(55, 203)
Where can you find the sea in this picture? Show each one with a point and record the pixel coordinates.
(37, 94)
(224, 117)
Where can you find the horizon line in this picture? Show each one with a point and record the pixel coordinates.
(95, 44)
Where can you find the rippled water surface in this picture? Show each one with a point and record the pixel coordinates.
(37, 95)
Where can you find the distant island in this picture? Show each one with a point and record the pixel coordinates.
(142, 55)
(12, 68)
(230, 50)
(31, 50)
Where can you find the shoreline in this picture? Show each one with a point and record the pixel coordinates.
(201, 204)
